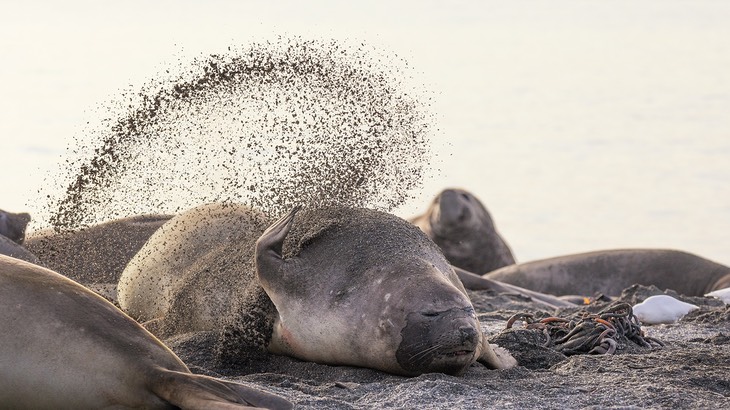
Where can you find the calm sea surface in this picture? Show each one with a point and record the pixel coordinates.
(581, 125)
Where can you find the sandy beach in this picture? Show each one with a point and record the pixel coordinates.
(690, 371)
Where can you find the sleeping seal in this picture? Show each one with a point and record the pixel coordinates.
(364, 288)
(611, 271)
(462, 227)
(62, 346)
(357, 287)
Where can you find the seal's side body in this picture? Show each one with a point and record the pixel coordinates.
(96, 254)
(611, 271)
(193, 269)
(62, 346)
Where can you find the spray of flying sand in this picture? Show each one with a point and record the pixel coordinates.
(272, 125)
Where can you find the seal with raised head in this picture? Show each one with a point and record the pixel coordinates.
(358, 287)
(62, 346)
(464, 230)
(611, 271)
(12, 225)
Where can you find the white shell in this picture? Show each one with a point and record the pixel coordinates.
(661, 309)
(722, 294)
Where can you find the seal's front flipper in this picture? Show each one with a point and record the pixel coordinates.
(495, 357)
(269, 245)
(192, 391)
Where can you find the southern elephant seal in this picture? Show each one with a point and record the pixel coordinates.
(473, 281)
(96, 254)
(611, 271)
(358, 287)
(193, 269)
(11, 248)
(62, 346)
(12, 226)
(464, 230)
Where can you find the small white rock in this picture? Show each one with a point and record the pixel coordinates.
(722, 294)
(662, 309)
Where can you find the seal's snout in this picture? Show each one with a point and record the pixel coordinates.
(468, 335)
(444, 341)
(454, 206)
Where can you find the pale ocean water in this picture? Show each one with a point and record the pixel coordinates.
(581, 125)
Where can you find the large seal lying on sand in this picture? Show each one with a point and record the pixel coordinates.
(62, 346)
(193, 269)
(363, 288)
(357, 287)
(95, 254)
(609, 272)
(463, 229)
(12, 226)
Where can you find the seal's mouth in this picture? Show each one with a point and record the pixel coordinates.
(458, 353)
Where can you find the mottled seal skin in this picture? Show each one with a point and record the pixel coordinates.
(62, 346)
(363, 288)
(193, 269)
(464, 230)
(611, 271)
(11, 248)
(96, 254)
(12, 226)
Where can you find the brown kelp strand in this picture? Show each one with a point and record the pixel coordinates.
(589, 333)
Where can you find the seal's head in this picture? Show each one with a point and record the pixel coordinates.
(365, 288)
(12, 226)
(439, 330)
(464, 230)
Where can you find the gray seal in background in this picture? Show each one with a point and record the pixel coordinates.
(611, 271)
(94, 254)
(12, 225)
(464, 230)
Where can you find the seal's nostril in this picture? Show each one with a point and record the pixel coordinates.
(468, 334)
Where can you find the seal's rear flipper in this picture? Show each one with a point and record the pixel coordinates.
(269, 245)
(192, 391)
(496, 357)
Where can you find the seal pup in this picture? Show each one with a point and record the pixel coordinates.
(464, 230)
(12, 226)
(96, 254)
(193, 269)
(611, 271)
(358, 287)
(62, 346)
